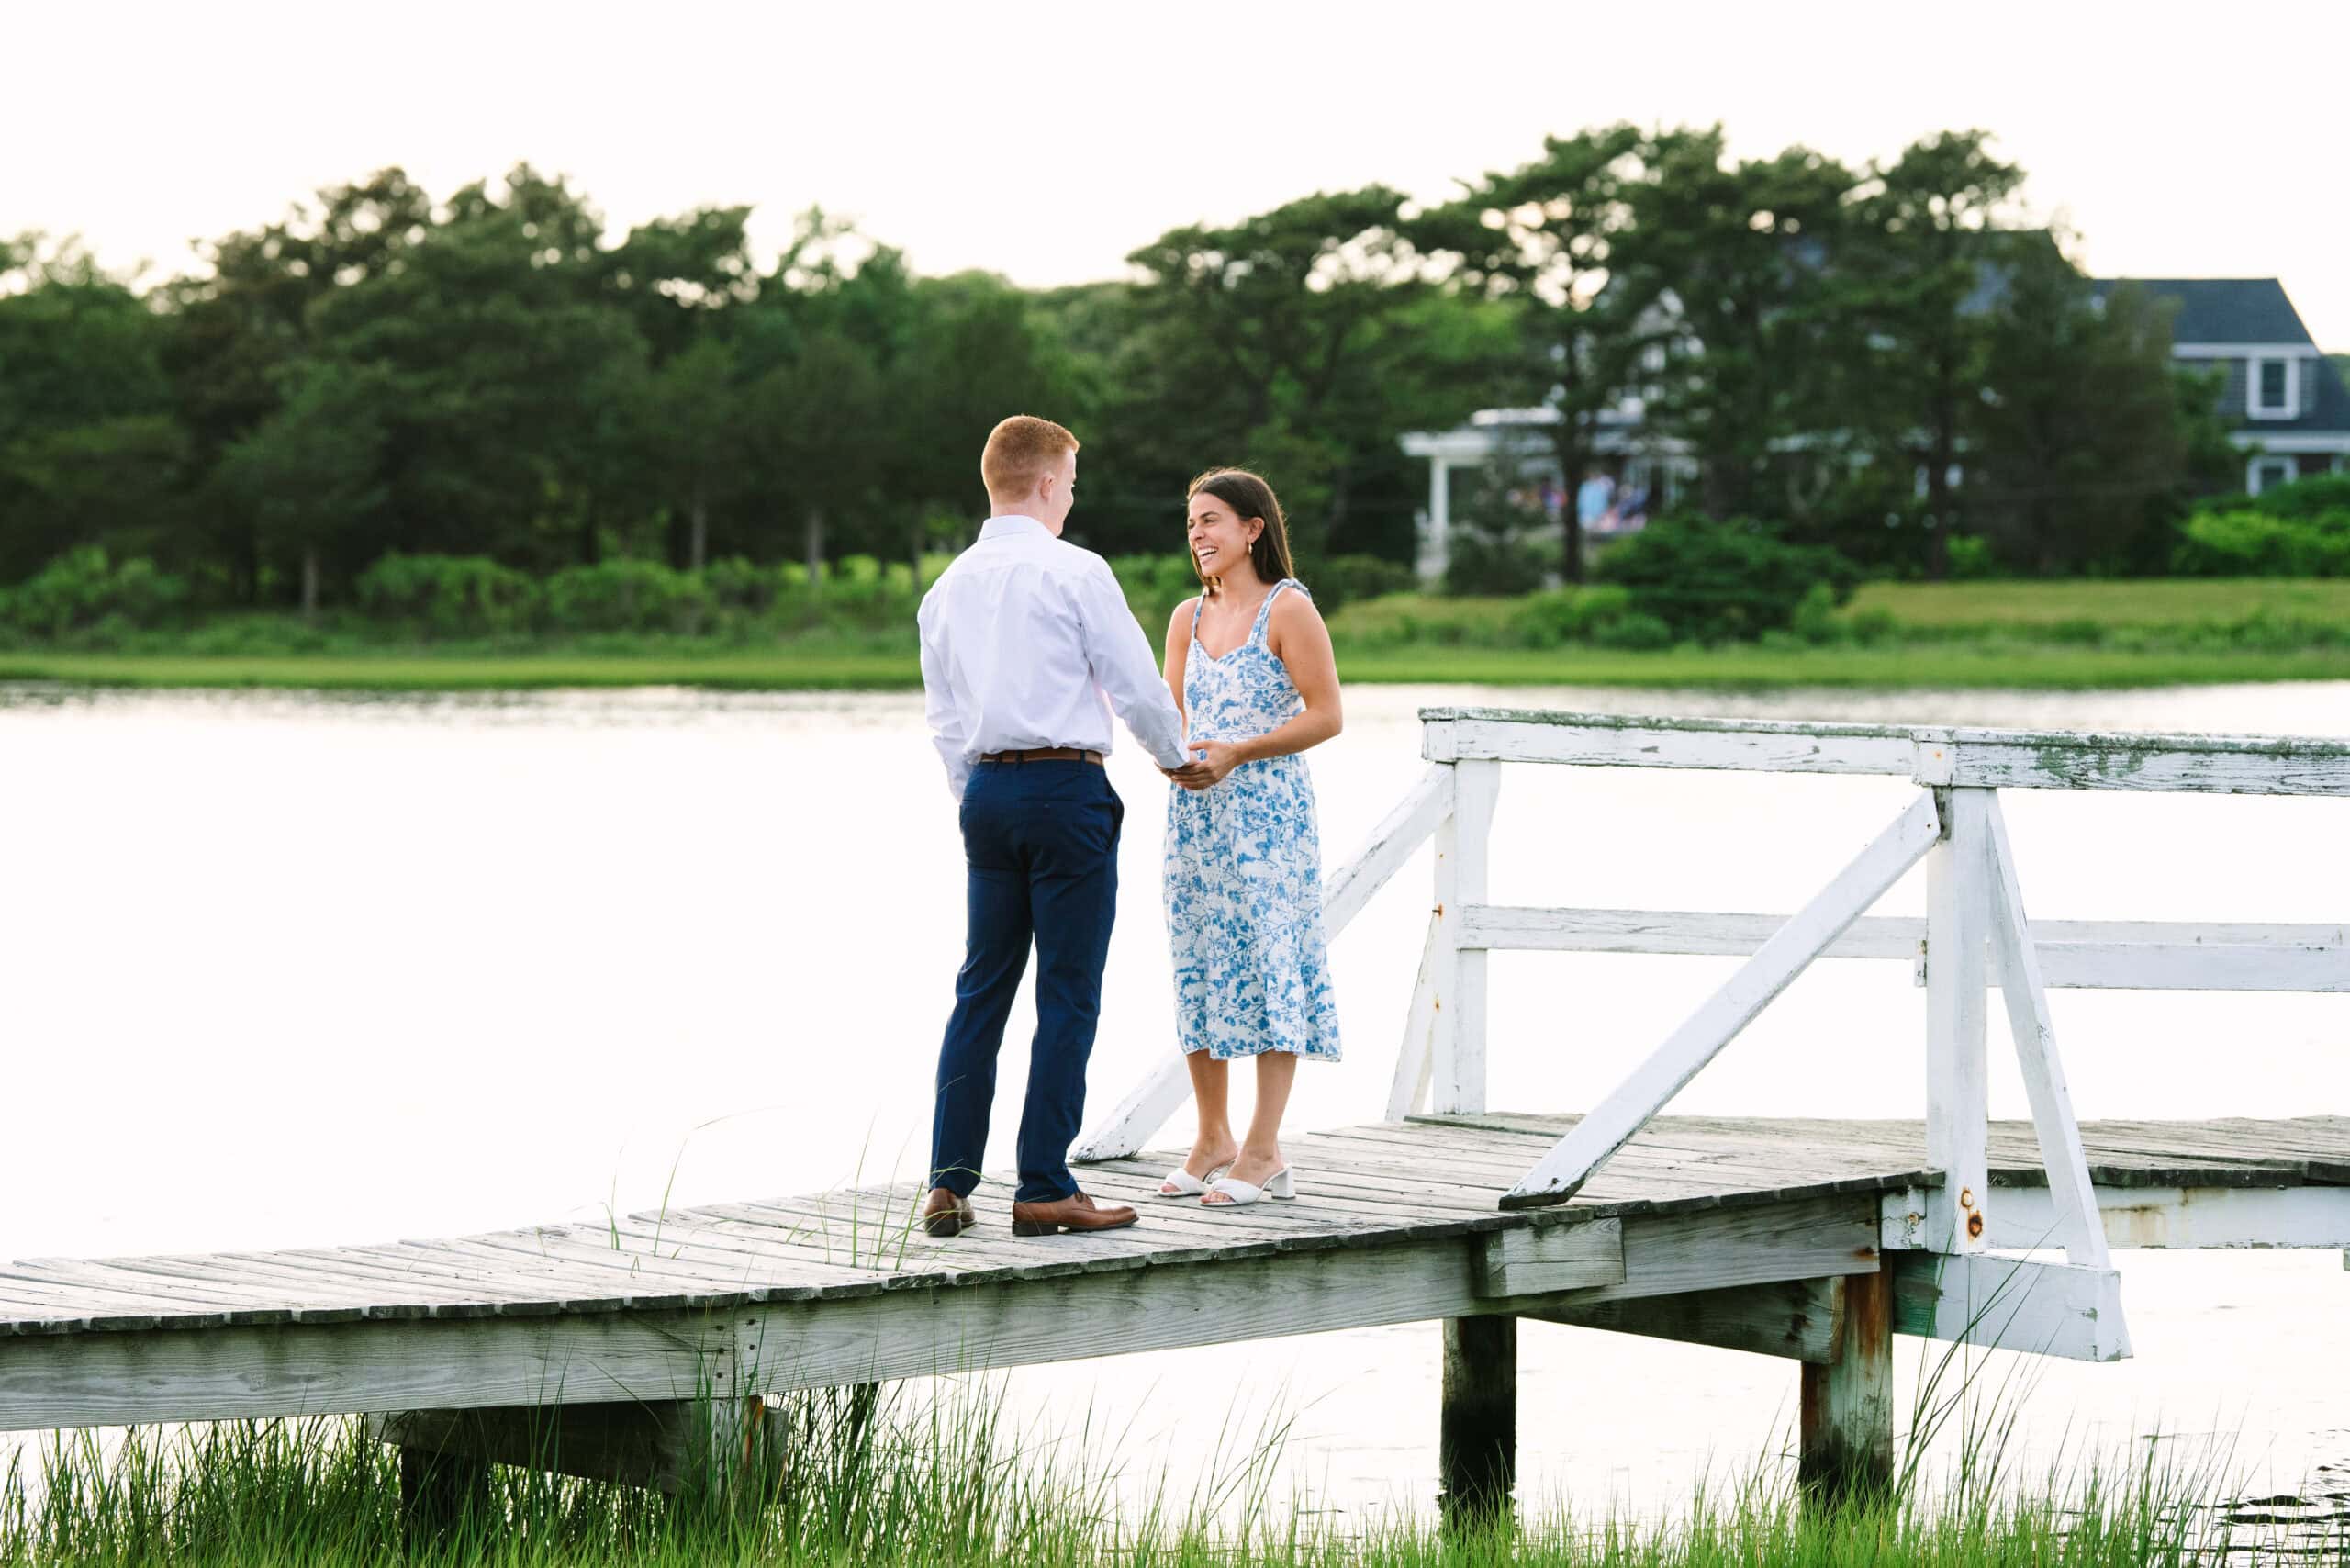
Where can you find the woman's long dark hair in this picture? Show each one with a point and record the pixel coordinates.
(1248, 496)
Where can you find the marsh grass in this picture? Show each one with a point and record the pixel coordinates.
(905, 1477)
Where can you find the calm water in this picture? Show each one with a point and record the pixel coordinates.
(289, 972)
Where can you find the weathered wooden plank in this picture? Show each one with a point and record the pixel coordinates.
(2049, 1309)
(1958, 1074)
(1795, 1318)
(1729, 1009)
(1540, 1259)
(239, 1372)
(2094, 954)
(1593, 740)
(655, 1443)
(931, 1331)
(1981, 758)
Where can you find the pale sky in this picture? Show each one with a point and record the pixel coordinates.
(1044, 141)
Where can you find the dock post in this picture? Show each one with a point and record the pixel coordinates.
(438, 1491)
(1845, 1447)
(1477, 1436)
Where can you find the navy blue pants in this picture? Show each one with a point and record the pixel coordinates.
(1040, 842)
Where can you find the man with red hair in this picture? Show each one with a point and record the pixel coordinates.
(1028, 646)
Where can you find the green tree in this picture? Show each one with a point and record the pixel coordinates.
(2079, 437)
(238, 331)
(89, 453)
(310, 475)
(1540, 238)
(1742, 253)
(1266, 331)
(1922, 259)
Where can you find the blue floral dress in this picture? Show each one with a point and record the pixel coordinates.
(1244, 870)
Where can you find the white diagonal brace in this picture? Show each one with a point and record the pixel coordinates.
(1762, 978)
(1408, 1092)
(1162, 1092)
(2080, 1228)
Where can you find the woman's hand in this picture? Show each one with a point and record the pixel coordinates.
(1212, 762)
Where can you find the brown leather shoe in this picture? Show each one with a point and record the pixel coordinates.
(943, 1213)
(1076, 1211)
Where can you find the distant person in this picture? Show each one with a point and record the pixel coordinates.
(1251, 660)
(1023, 637)
(1593, 499)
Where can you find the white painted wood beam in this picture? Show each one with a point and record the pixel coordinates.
(2175, 1219)
(1463, 842)
(1407, 1092)
(1978, 758)
(1958, 1078)
(2079, 1229)
(1715, 1024)
(2010, 1303)
(2126, 954)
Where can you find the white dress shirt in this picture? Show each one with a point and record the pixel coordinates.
(1023, 637)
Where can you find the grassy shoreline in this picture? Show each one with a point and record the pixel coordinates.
(1951, 664)
(909, 1488)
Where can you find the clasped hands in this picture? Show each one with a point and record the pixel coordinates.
(1210, 762)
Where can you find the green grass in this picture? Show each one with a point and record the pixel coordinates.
(944, 1483)
(2049, 635)
(1744, 668)
(2146, 604)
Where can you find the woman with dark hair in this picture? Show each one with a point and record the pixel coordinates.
(1251, 662)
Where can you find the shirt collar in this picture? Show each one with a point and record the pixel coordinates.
(1012, 523)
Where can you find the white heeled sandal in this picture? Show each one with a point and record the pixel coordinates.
(1239, 1195)
(1181, 1183)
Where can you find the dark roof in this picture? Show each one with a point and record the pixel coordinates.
(2223, 309)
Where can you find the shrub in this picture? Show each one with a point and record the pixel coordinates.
(2246, 544)
(83, 588)
(626, 596)
(2312, 497)
(737, 585)
(1636, 631)
(1153, 586)
(1722, 581)
(1570, 614)
(1481, 566)
(1815, 619)
(1346, 579)
(449, 595)
(1970, 558)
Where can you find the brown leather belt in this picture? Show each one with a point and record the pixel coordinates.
(1046, 754)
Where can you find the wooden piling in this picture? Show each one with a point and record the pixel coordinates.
(1477, 1435)
(1845, 1446)
(438, 1491)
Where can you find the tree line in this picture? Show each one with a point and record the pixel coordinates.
(494, 374)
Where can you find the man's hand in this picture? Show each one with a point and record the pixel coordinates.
(1212, 762)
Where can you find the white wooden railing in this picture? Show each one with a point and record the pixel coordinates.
(1975, 933)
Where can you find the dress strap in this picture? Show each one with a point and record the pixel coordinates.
(1265, 611)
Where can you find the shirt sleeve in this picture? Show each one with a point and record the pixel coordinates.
(938, 706)
(1118, 652)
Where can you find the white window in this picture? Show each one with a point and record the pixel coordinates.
(2273, 388)
(2268, 471)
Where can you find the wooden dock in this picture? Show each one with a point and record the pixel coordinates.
(582, 1347)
